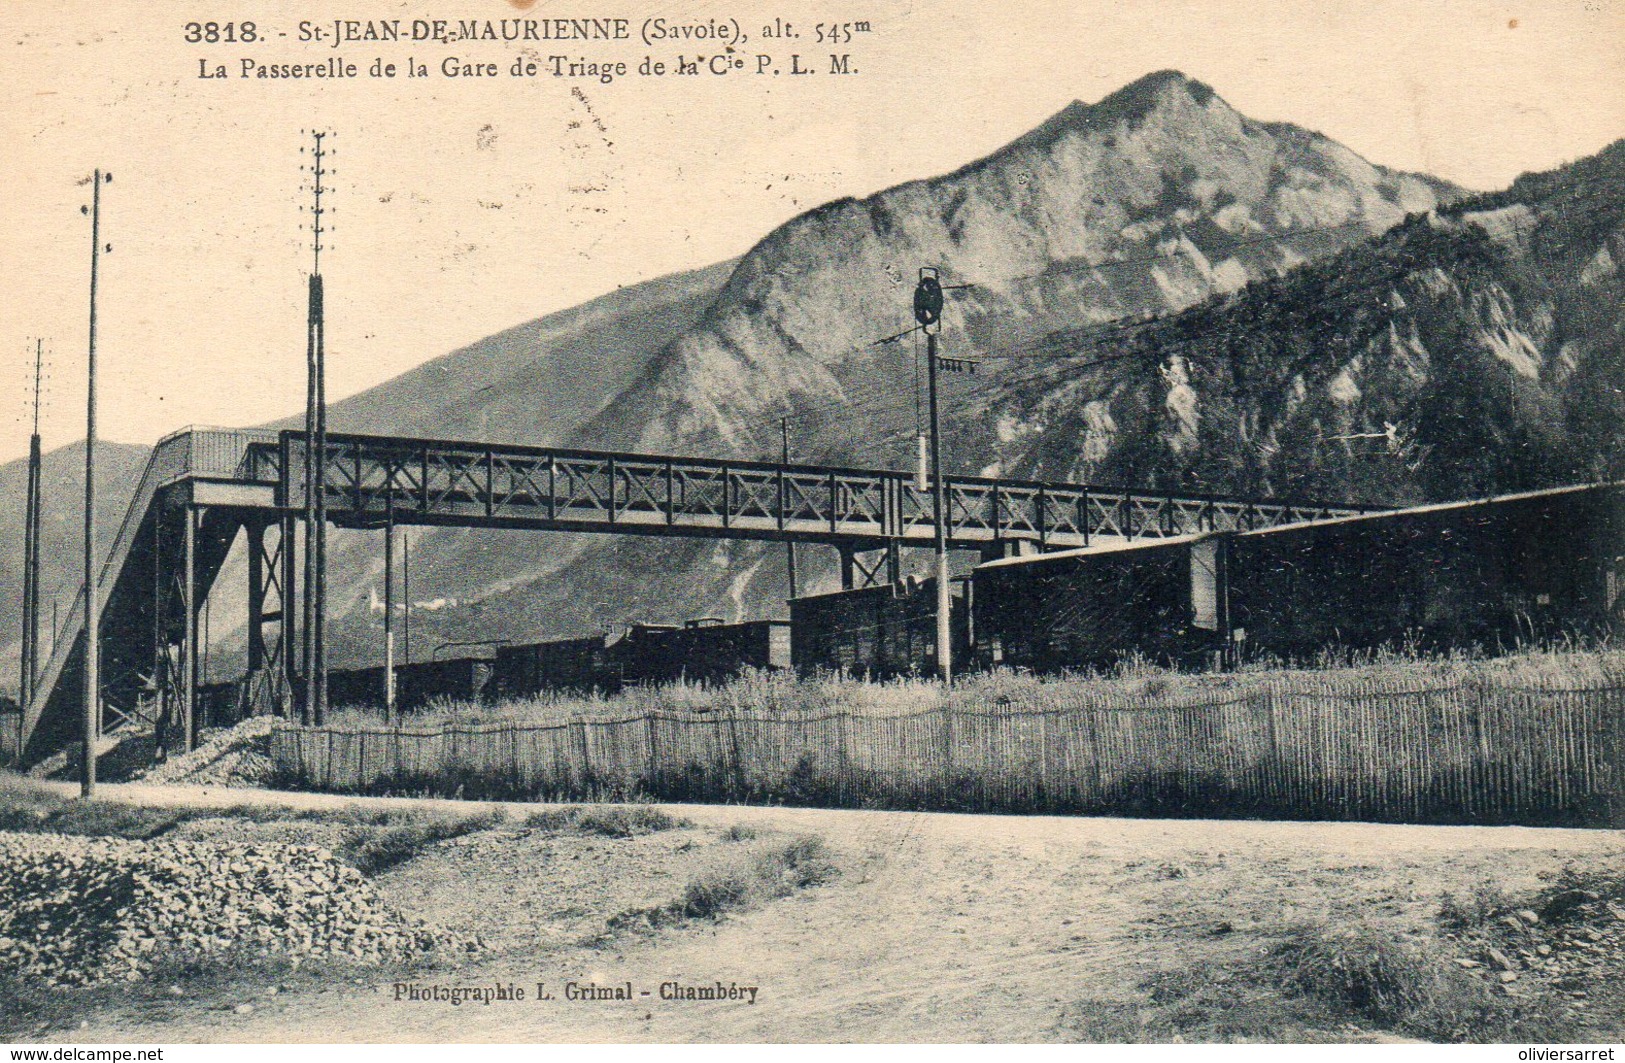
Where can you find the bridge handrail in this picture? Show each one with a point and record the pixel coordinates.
(295, 437)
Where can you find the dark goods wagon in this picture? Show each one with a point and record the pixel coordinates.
(1484, 575)
(578, 665)
(1489, 575)
(881, 632)
(1090, 609)
(416, 685)
(703, 651)
(709, 651)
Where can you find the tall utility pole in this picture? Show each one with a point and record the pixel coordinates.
(389, 612)
(90, 724)
(314, 709)
(406, 592)
(928, 312)
(789, 546)
(31, 563)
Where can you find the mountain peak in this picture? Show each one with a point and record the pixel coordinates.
(1144, 93)
(1130, 104)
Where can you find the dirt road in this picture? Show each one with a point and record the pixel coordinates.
(941, 928)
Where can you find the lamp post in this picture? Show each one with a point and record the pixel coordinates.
(928, 312)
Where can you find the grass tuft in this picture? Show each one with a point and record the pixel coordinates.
(801, 862)
(374, 849)
(610, 821)
(1406, 985)
(1481, 905)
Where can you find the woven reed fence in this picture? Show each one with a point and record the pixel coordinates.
(1377, 749)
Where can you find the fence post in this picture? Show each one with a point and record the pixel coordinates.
(738, 772)
(651, 773)
(584, 770)
(1615, 740)
(843, 758)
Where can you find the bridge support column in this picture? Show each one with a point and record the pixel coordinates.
(848, 566)
(175, 531)
(189, 651)
(263, 683)
(162, 662)
(256, 599)
(286, 636)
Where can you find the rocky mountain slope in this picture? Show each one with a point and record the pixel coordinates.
(1475, 350)
(1149, 201)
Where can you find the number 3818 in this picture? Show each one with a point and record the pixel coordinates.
(218, 32)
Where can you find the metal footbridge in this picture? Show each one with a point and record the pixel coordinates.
(204, 488)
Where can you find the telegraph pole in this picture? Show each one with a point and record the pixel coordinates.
(90, 724)
(389, 613)
(928, 312)
(789, 546)
(31, 563)
(314, 647)
(406, 591)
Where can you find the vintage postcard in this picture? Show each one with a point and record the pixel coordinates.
(898, 521)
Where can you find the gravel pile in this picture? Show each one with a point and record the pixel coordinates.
(235, 756)
(1572, 947)
(86, 911)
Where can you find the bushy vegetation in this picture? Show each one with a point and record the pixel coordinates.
(764, 694)
(1158, 742)
(1395, 983)
(377, 848)
(1321, 983)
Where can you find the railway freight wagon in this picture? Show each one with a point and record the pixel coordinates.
(578, 665)
(704, 651)
(417, 685)
(1489, 574)
(1484, 574)
(709, 651)
(881, 632)
(1089, 609)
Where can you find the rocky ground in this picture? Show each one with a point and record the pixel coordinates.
(88, 911)
(230, 756)
(225, 756)
(1567, 948)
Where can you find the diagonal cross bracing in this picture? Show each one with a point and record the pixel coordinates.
(448, 482)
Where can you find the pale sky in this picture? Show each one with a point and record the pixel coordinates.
(468, 206)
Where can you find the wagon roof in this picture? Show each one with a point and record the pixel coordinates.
(1443, 507)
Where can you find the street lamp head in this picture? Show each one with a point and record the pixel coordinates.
(928, 298)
